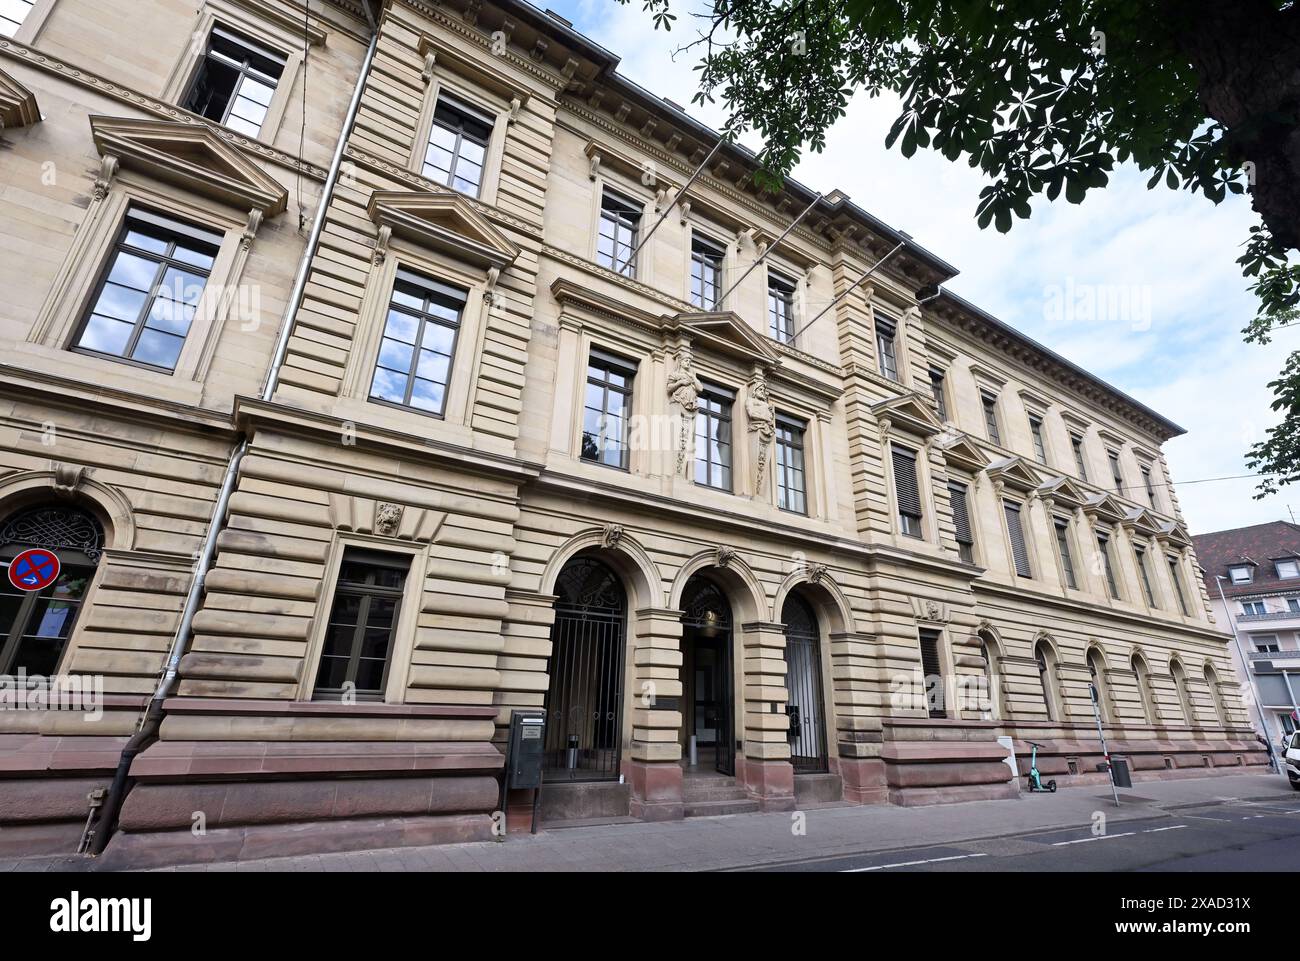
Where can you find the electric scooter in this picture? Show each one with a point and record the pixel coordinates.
(1035, 779)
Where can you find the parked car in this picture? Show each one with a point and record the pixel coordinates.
(1291, 761)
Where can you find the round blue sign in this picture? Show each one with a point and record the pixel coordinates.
(34, 570)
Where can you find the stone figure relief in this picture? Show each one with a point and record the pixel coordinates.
(762, 426)
(684, 391)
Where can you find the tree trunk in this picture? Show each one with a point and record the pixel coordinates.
(1246, 54)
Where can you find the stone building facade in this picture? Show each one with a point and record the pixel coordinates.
(494, 407)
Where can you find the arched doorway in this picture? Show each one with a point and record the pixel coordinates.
(35, 625)
(803, 681)
(707, 690)
(584, 700)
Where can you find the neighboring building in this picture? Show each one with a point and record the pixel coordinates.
(1259, 568)
(680, 482)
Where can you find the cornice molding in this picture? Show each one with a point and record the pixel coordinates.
(435, 14)
(57, 391)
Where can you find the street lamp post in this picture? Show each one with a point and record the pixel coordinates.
(1232, 624)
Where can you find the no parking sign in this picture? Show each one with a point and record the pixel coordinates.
(34, 570)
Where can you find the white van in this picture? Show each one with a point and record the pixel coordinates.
(1291, 760)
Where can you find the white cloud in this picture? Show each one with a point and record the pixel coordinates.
(1175, 248)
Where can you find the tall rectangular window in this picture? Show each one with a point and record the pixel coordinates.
(1107, 566)
(12, 15)
(414, 363)
(1076, 446)
(713, 437)
(359, 635)
(791, 480)
(619, 221)
(146, 300)
(958, 496)
(706, 272)
(1293, 605)
(1145, 576)
(780, 307)
(1036, 432)
(908, 491)
(605, 411)
(1176, 577)
(457, 148)
(1149, 486)
(1116, 475)
(932, 669)
(886, 333)
(990, 404)
(1016, 532)
(1062, 527)
(936, 390)
(235, 81)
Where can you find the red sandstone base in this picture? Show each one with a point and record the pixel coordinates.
(770, 783)
(656, 790)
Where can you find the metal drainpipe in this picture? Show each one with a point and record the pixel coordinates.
(101, 831)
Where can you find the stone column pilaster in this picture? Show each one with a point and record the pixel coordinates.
(765, 766)
(656, 694)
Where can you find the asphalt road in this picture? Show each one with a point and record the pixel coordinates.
(1261, 834)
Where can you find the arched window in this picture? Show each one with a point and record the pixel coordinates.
(1212, 682)
(1045, 657)
(991, 710)
(1143, 679)
(1097, 671)
(1184, 693)
(35, 624)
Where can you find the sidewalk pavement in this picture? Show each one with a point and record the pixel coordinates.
(715, 843)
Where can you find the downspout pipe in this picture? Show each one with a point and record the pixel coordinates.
(147, 732)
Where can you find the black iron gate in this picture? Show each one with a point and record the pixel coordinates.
(706, 622)
(584, 703)
(803, 681)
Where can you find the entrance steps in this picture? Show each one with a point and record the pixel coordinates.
(712, 795)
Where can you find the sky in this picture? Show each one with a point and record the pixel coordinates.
(1163, 262)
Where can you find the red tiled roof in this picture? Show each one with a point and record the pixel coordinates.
(1262, 543)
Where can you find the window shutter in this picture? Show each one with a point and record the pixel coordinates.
(1019, 552)
(933, 671)
(909, 493)
(960, 513)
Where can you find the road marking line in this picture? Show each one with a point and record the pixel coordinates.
(908, 864)
(1158, 830)
(1102, 837)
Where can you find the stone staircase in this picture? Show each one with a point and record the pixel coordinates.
(708, 795)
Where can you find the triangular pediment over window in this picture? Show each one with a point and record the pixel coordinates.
(1174, 534)
(17, 103)
(908, 413)
(1064, 491)
(446, 222)
(1106, 508)
(1015, 473)
(723, 331)
(1143, 521)
(962, 452)
(193, 156)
